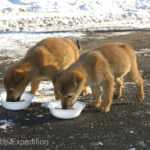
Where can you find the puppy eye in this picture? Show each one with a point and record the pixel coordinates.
(10, 91)
(69, 96)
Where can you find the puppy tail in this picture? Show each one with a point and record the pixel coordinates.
(79, 46)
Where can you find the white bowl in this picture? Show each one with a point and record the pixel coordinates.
(57, 111)
(26, 100)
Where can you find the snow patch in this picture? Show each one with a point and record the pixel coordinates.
(6, 123)
(39, 116)
(45, 15)
(143, 52)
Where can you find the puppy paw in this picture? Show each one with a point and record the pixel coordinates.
(103, 109)
(33, 93)
(116, 96)
(84, 92)
(93, 104)
(140, 96)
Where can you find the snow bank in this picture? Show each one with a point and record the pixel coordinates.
(50, 15)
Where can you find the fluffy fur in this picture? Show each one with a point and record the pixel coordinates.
(100, 68)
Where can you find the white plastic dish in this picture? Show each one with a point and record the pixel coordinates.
(57, 111)
(26, 101)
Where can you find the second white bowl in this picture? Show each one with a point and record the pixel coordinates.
(57, 111)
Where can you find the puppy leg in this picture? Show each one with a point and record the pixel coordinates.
(96, 92)
(34, 86)
(57, 96)
(84, 92)
(140, 89)
(119, 82)
(137, 79)
(107, 86)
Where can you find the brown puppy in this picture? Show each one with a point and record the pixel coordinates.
(100, 68)
(41, 62)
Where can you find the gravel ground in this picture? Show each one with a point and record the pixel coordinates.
(125, 127)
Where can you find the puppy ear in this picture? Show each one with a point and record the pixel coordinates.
(18, 75)
(56, 76)
(77, 78)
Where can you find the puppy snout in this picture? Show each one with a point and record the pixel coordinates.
(64, 107)
(66, 104)
(12, 99)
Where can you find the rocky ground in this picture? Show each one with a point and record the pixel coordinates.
(125, 127)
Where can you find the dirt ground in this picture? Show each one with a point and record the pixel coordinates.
(125, 127)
